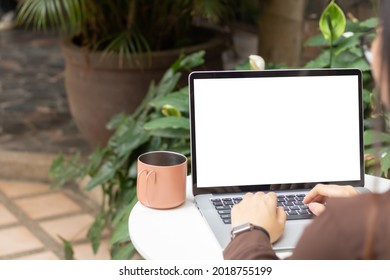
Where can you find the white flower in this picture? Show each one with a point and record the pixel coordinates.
(256, 62)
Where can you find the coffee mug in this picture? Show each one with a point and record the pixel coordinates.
(161, 180)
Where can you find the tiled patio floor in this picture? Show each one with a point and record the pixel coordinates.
(35, 124)
(33, 217)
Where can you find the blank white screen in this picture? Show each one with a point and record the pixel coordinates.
(276, 130)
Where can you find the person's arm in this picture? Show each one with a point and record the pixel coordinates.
(327, 237)
(336, 234)
(317, 197)
(251, 245)
(260, 210)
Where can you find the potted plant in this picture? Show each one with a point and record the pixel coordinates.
(113, 49)
(159, 123)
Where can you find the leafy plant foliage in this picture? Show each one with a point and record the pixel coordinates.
(332, 22)
(125, 27)
(159, 123)
(342, 48)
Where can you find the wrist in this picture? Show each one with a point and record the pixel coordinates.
(248, 227)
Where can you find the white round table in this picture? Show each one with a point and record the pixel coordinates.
(182, 234)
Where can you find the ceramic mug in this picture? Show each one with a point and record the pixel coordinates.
(161, 180)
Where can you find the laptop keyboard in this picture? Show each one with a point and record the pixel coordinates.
(292, 204)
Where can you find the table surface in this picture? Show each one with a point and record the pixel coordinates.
(182, 233)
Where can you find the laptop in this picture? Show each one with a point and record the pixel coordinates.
(273, 130)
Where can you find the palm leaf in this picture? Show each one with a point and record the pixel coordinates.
(65, 16)
(127, 44)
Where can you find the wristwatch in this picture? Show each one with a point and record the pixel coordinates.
(247, 227)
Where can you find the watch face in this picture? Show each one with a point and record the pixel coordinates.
(241, 228)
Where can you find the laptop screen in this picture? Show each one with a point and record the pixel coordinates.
(254, 129)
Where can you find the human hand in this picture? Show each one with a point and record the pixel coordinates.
(260, 209)
(316, 198)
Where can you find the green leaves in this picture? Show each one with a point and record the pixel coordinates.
(168, 122)
(332, 25)
(377, 145)
(370, 23)
(170, 127)
(385, 162)
(332, 22)
(123, 252)
(191, 61)
(372, 137)
(128, 137)
(170, 111)
(159, 123)
(368, 99)
(340, 43)
(63, 16)
(128, 44)
(62, 170)
(316, 41)
(68, 249)
(105, 173)
(321, 61)
(345, 51)
(178, 100)
(95, 231)
(121, 233)
(128, 28)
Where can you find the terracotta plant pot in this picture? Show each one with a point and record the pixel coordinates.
(98, 88)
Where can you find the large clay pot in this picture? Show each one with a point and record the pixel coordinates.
(98, 88)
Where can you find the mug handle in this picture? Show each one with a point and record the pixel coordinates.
(148, 174)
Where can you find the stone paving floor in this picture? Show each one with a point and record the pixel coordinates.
(34, 113)
(35, 125)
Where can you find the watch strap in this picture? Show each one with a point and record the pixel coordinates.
(248, 227)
